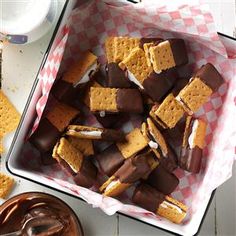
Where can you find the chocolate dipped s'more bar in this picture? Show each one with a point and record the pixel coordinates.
(78, 74)
(114, 156)
(142, 74)
(136, 66)
(131, 171)
(210, 76)
(106, 120)
(158, 85)
(166, 54)
(193, 142)
(200, 87)
(82, 169)
(162, 180)
(116, 49)
(159, 146)
(113, 100)
(175, 135)
(87, 132)
(117, 78)
(52, 125)
(168, 113)
(194, 95)
(152, 200)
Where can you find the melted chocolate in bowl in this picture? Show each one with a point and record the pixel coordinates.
(19, 209)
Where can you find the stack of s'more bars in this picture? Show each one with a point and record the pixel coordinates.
(140, 79)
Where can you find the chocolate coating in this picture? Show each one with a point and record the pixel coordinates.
(158, 122)
(47, 159)
(116, 76)
(63, 91)
(110, 160)
(169, 162)
(158, 85)
(129, 100)
(113, 135)
(100, 77)
(191, 159)
(133, 169)
(149, 40)
(45, 136)
(112, 120)
(66, 166)
(179, 85)
(87, 174)
(162, 180)
(179, 51)
(175, 135)
(210, 76)
(47, 207)
(147, 197)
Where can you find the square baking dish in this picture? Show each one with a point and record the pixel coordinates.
(14, 161)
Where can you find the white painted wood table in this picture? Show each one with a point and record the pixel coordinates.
(20, 65)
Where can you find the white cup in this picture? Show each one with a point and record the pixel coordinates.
(24, 21)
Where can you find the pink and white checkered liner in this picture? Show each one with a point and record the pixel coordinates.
(89, 28)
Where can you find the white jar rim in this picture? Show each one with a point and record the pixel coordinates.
(22, 16)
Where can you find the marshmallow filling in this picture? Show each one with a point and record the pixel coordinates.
(133, 79)
(88, 74)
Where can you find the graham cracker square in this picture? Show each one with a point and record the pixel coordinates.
(86, 98)
(6, 185)
(85, 146)
(134, 143)
(103, 99)
(66, 151)
(199, 133)
(146, 48)
(123, 47)
(161, 56)
(136, 63)
(199, 138)
(9, 116)
(110, 49)
(170, 111)
(61, 115)
(79, 68)
(158, 137)
(195, 94)
(1, 146)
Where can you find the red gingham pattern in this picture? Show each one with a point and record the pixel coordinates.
(89, 29)
(48, 74)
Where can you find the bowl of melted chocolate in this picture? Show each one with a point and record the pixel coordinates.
(38, 214)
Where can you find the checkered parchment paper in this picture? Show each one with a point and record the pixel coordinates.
(88, 27)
